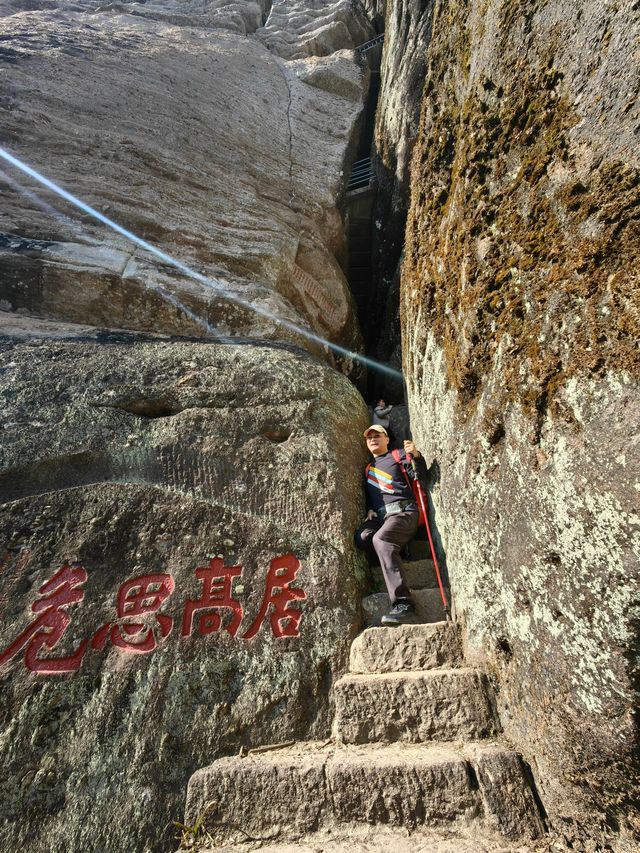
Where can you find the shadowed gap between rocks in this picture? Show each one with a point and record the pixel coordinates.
(374, 226)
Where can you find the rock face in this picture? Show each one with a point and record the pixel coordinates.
(196, 138)
(177, 572)
(195, 536)
(413, 707)
(519, 300)
(407, 28)
(300, 28)
(177, 576)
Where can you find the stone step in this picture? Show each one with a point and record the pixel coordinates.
(407, 647)
(285, 793)
(419, 574)
(414, 707)
(428, 606)
(375, 839)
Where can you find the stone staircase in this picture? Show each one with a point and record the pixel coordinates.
(421, 578)
(413, 751)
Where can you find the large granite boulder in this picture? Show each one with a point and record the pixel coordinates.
(300, 28)
(519, 299)
(172, 122)
(178, 576)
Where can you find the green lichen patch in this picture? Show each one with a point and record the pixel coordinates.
(507, 245)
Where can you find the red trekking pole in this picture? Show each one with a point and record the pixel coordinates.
(422, 500)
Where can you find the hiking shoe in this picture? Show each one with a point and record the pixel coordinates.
(402, 613)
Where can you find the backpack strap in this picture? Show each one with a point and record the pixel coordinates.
(398, 458)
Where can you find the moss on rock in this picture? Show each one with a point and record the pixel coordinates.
(504, 238)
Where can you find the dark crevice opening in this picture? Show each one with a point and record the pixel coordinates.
(474, 784)
(267, 12)
(531, 782)
(277, 435)
(503, 647)
(497, 435)
(148, 408)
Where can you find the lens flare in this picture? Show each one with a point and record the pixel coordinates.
(205, 281)
(73, 227)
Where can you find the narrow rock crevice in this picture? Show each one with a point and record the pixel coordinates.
(150, 409)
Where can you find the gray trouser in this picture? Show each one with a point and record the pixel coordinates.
(387, 538)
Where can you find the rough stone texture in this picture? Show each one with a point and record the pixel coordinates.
(282, 793)
(132, 457)
(199, 140)
(520, 306)
(401, 788)
(505, 791)
(413, 707)
(407, 26)
(406, 647)
(374, 839)
(300, 28)
(428, 603)
(406, 33)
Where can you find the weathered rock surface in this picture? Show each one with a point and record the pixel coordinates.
(374, 839)
(411, 647)
(287, 792)
(414, 707)
(300, 28)
(196, 138)
(137, 464)
(143, 477)
(520, 305)
(407, 27)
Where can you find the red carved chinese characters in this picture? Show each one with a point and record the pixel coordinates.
(47, 630)
(217, 594)
(279, 594)
(138, 598)
(140, 627)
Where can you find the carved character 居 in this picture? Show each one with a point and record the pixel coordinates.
(279, 593)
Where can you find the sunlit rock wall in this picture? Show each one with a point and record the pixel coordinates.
(520, 312)
(137, 477)
(177, 121)
(300, 28)
(177, 574)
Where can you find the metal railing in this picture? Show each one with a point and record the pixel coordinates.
(368, 45)
(361, 174)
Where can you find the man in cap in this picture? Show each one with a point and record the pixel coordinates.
(392, 517)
